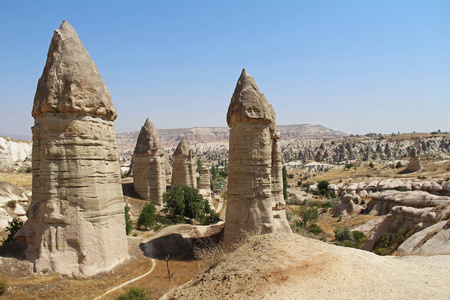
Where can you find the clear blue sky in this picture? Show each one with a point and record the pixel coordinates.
(353, 66)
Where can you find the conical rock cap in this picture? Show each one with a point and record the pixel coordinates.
(183, 148)
(148, 140)
(248, 104)
(70, 82)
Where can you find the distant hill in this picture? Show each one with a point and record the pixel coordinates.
(171, 137)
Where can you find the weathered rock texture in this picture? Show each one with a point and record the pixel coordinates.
(149, 176)
(252, 193)
(76, 216)
(414, 162)
(184, 166)
(204, 182)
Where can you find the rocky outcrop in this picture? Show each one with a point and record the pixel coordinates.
(184, 166)
(149, 176)
(181, 241)
(76, 221)
(252, 135)
(14, 154)
(414, 162)
(204, 182)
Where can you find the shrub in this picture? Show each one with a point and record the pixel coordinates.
(398, 165)
(184, 201)
(134, 294)
(347, 238)
(343, 234)
(147, 216)
(12, 228)
(322, 187)
(285, 183)
(314, 228)
(11, 204)
(128, 222)
(363, 202)
(349, 166)
(356, 200)
(307, 215)
(299, 183)
(371, 165)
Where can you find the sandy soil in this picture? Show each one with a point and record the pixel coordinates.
(294, 267)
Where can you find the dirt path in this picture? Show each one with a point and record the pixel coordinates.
(128, 282)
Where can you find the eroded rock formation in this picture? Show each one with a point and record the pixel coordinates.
(76, 216)
(184, 166)
(252, 193)
(414, 162)
(205, 180)
(149, 176)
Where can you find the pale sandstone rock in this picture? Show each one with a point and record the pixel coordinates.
(252, 135)
(149, 176)
(204, 182)
(414, 162)
(415, 241)
(76, 221)
(184, 166)
(4, 218)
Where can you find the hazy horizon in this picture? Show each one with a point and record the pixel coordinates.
(351, 66)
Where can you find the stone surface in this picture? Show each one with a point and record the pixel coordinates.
(13, 153)
(184, 166)
(204, 182)
(149, 176)
(414, 162)
(76, 219)
(252, 137)
(180, 241)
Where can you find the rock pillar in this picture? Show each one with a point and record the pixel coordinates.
(250, 197)
(184, 166)
(204, 182)
(76, 219)
(149, 176)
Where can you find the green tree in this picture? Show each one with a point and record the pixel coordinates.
(307, 215)
(371, 165)
(128, 222)
(285, 183)
(184, 201)
(147, 216)
(12, 228)
(322, 187)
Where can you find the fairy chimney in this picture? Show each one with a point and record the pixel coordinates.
(251, 190)
(149, 176)
(184, 166)
(76, 221)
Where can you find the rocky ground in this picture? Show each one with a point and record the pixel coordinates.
(293, 267)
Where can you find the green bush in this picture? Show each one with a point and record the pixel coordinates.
(13, 227)
(285, 183)
(344, 234)
(134, 294)
(347, 238)
(307, 215)
(184, 201)
(349, 166)
(398, 165)
(147, 216)
(128, 222)
(314, 228)
(371, 165)
(322, 187)
(356, 200)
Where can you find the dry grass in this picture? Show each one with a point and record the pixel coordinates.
(59, 287)
(19, 179)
